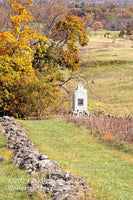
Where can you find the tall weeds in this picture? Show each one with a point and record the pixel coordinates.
(107, 128)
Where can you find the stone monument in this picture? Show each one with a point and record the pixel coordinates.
(80, 100)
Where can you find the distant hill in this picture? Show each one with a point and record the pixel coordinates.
(121, 2)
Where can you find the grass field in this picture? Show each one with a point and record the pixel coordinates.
(112, 48)
(107, 73)
(109, 171)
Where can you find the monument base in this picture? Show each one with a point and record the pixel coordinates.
(79, 113)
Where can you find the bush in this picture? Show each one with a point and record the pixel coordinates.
(122, 32)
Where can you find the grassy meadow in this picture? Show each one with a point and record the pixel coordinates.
(108, 171)
(106, 71)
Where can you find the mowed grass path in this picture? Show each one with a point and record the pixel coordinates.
(110, 172)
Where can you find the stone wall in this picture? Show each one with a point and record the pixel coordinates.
(62, 185)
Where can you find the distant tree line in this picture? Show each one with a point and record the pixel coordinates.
(113, 16)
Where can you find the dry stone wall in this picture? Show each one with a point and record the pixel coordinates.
(62, 185)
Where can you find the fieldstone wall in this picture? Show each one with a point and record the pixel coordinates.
(62, 185)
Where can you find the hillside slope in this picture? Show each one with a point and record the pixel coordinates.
(109, 171)
(107, 73)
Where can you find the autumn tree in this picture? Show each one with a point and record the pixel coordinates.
(47, 14)
(88, 19)
(76, 12)
(17, 91)
(96, 26)
(30, 64)
(63, 50)
(4, 15)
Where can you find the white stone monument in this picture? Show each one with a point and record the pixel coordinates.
(80, 100)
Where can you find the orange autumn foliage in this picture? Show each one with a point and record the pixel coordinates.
(70, 31)
(16, 55)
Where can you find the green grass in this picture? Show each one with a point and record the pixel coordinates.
(102, 32)
(2, 141)
(110, 171)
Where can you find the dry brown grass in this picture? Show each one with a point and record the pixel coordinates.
(107, 128)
